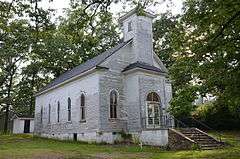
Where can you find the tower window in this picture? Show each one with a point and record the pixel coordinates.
(129, 26)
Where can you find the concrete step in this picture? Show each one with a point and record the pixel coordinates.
(203, 140)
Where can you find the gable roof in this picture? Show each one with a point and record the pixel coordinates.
(143, 65)
(92, 63)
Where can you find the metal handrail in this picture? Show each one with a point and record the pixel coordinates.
(179, 121)
(166, 121)
(208, 127)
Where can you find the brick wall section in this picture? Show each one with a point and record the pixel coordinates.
(177, 142)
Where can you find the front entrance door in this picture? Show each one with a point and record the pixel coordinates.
(153, 114)
(26, 126)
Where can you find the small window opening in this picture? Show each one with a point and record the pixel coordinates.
(129, 26)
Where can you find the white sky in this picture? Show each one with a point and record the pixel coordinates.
(175, 7)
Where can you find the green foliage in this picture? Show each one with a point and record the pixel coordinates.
(125, 136)
(195, 147)
(205, 54)
(163, 29)
(217, 116)
(181, 105)
(33, 50)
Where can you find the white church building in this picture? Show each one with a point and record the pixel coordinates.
(123, 90)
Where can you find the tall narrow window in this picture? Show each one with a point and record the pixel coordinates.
(49, 113)
(58, 112)
(82, 108)
(69, 109)
(41, 115)
(113, 104)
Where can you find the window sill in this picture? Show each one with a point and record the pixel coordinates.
(70, 122)
(113, 119)
(82, 121)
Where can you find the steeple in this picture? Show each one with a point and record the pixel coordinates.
(138, 26)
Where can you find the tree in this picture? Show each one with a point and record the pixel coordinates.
(208, 56)
(13, 50)
(80, 36)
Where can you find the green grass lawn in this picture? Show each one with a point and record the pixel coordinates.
(28, 147)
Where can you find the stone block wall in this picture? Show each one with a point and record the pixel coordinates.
(177, 141)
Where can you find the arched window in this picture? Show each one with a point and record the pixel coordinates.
(58, 111)
(153, 97)
(82, 108)
(153, 109)
(69, 109)
(113, 104)
(49, 113)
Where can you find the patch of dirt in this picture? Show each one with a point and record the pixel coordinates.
(120, 155)
(48, 155)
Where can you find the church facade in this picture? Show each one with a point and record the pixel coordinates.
(123, 90)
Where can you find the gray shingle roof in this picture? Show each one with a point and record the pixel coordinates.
(94, 62)
(142, 65)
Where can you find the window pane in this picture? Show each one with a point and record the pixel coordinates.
(49, 113)
(113, 104)
(58, 111)
(82, 107)
(82, 100)
(82, 113)
(115, 111)
(69, 109)
(153, 97)
(41, 113)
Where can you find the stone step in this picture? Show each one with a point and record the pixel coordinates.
(210, 146)
(204, 141)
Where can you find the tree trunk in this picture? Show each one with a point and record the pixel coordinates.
(8, 104)
(32, 96)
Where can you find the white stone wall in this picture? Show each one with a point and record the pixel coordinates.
(109, 80)
(90, 137)
(89, 85)
(132, 101)
(152, 137)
